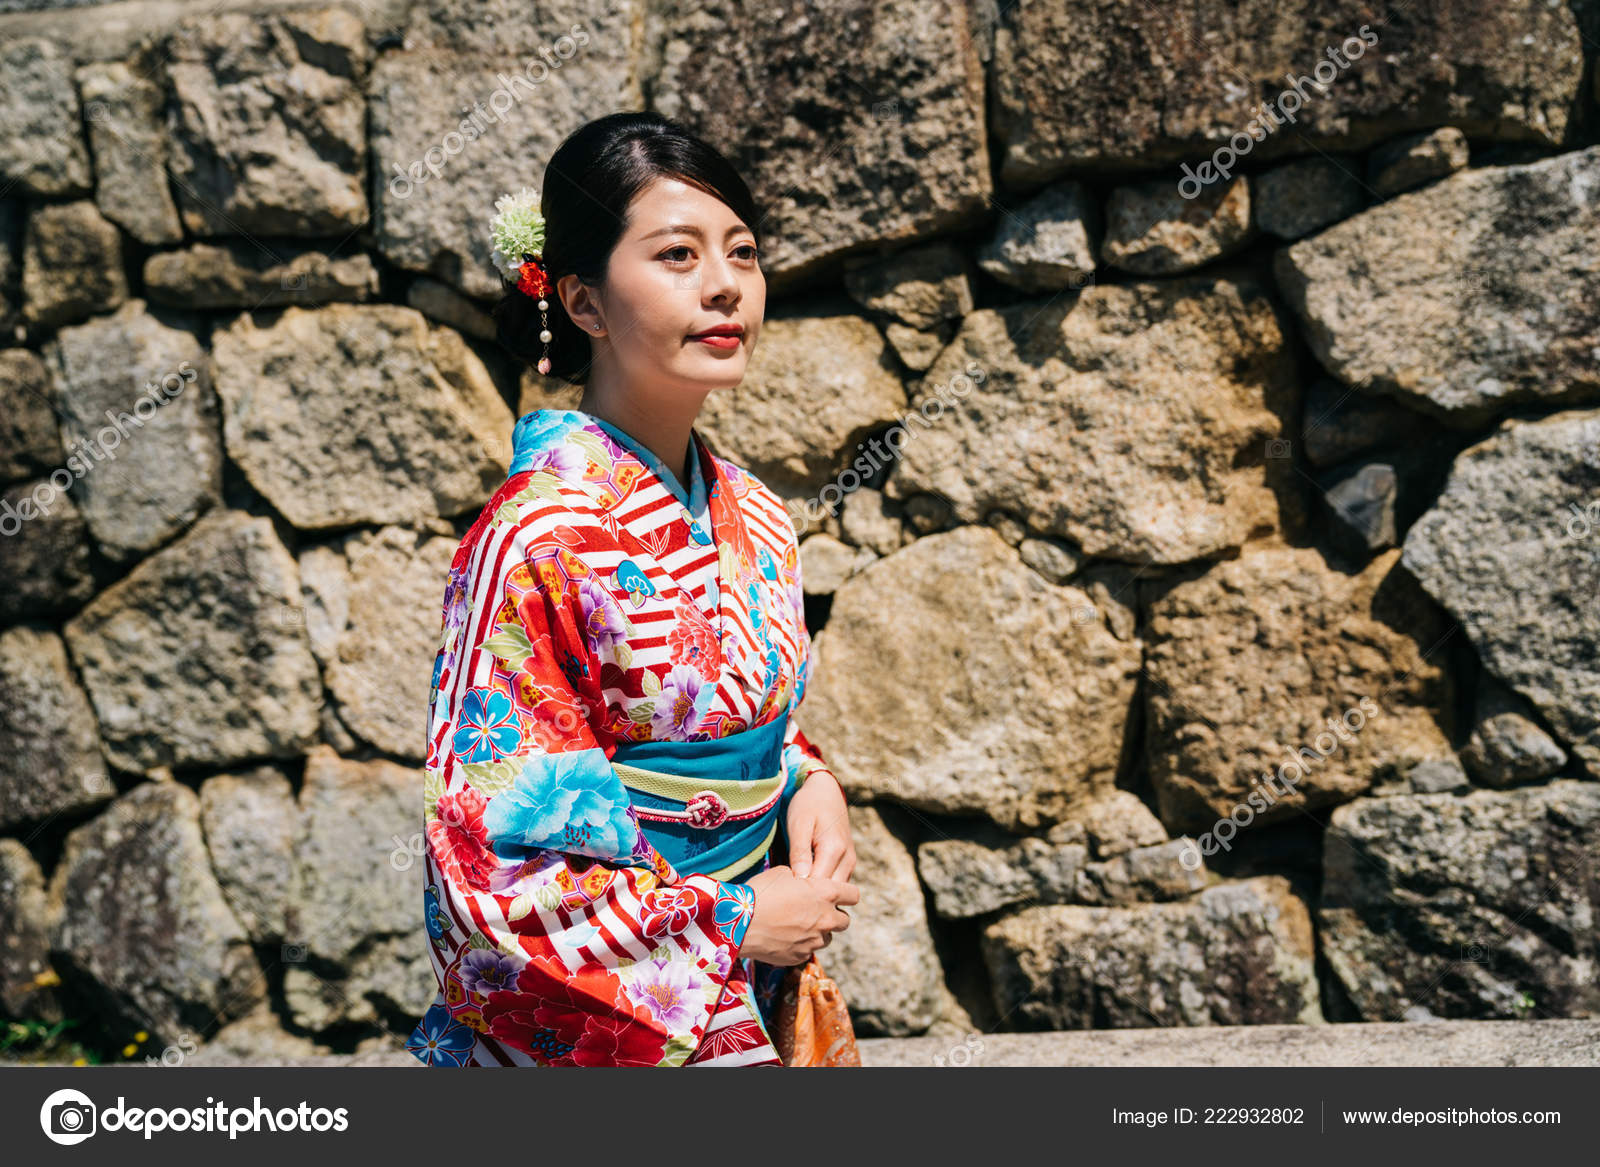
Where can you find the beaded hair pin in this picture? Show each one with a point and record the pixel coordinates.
(516, 234)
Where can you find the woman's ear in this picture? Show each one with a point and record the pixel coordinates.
(582, 305)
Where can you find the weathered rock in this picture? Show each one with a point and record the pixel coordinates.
(11, 216)
(1019, 708)
(199, 656)
(244, 274)
(917, 349)
(343, 415)
(71, 265)
(250, 823)
(1279, 684)
(1512, 549)
(1152, 229)
(921, 286)
(1119, 822)
(41, 143)
(969, 877)
(1131, 419)
(1465, 298)
(1507, 747)
(449, 136)
(1048, 243)
(123, 110)
(885, 962)
(1437, 776)
(1482, 906)
(30, 443)
(380, 668)
(46, 567)
(1415, 159)
(27, 981)
(355, 888)
(895, 86)
(268, 122)
(138, 411)
(143, 924)
(1236, 954)
(256, 1040)
(867, 521)
(1051, 558)
(50, 761)
(1340, 423)
(1360, 500)
(825, 563)
(1299, 197)
(444, 305)
(1082, 89)
(755, 425)
(1161, 871)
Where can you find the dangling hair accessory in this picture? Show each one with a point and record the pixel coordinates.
(517, 236)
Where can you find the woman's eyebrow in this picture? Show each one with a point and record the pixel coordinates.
(691, 229)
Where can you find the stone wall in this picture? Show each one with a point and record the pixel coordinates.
(1192, 420)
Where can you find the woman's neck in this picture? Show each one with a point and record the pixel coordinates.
(663, 429)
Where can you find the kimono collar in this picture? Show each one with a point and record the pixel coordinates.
(539, 432)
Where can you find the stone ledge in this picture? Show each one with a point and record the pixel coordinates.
(1426, 1043)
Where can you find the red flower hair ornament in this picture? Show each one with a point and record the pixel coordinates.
(516, 234)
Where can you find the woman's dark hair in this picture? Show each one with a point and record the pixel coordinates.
(589, 183)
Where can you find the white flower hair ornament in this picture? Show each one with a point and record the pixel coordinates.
(516, 234)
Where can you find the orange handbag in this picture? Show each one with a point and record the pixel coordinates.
(812, 1026)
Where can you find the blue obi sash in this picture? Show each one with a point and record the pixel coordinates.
(710, 807)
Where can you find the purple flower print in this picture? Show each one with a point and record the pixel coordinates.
(566, 460)
(678, 712)
(672, 990)
(484, 970)
(604, 624)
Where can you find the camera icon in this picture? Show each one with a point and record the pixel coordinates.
(68, 1117)
(1279, 448)
(1474, 954)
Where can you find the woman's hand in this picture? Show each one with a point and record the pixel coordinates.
(794, 917)
(819, 830)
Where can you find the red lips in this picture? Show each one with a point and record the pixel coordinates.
(719, 330)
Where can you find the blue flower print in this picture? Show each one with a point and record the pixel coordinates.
(488, 729)
(536, 433)
(440, 1040)
(432, 916)
(769, 565)
(632, 579)
(733, 909)
(697, 535)
(564, 802)
(438, 671)
(757, 619)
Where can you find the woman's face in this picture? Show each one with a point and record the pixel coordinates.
(685, 263)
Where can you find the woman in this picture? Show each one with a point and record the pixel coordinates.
(611, 754)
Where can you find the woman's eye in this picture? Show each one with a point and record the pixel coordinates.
(672, 251)
(747, 250)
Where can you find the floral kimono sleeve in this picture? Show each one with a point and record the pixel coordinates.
(597, 951)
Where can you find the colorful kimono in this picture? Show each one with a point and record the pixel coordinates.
(610, 758)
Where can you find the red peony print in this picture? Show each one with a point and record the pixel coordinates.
(459, 841)
(573, 1018)
(693, 641)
